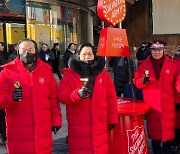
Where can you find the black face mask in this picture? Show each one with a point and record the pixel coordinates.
(28, 58)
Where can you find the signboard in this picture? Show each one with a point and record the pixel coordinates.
(111, 11)
(6, 12)
(16, 6)
(113, 42)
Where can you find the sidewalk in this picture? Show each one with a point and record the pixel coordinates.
(59, 147)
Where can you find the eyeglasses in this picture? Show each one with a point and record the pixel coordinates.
(86, 54)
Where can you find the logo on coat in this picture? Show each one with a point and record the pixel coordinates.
(168, 71)
(100, 80)
(41, 80)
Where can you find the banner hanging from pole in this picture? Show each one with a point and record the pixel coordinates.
(113, 42)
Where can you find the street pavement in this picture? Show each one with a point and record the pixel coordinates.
(60, 146)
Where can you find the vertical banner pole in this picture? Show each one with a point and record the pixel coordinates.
(130, 73)
(106, 59)
(131, 80)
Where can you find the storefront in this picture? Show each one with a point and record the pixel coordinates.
(48, 22)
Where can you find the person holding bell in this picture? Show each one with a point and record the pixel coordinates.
(89, 94)
(31, 114)
(156, 77)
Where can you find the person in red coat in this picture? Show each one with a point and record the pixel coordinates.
(28, 93)
(176, 142)
(156, 77)
(92, 107)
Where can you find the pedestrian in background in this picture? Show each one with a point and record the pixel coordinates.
(46, 55)
(13, 53)
(3, 54)
(29, 96)
(156, 77)
(3, 60)
(71, 50)
(55, 63)
(121, 73)
(92, 107)
(143, 52)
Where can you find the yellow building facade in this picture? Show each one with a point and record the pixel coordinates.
(51, 24)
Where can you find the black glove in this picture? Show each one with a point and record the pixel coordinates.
(55, 129)
(145, 80)
(111, 126)
(84, 93)
(17, 94)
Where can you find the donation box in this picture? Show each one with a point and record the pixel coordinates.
(128, 137)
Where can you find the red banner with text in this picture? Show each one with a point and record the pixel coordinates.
(113, 42)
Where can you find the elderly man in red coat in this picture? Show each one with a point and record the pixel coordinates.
(156, 77)
(28, 94)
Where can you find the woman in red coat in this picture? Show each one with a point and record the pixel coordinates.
(176, 143)
(156, 78)
(91, 111)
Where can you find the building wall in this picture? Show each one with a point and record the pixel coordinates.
(137, 23)
(51, 24)
(86, 27)
(1, 33)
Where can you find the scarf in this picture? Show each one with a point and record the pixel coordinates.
(157, 66)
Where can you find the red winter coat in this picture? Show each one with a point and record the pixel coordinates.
(88, 119)
(29, 121)
(160, 96)
(177, 97)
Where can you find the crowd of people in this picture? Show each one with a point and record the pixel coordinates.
(89, 93)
